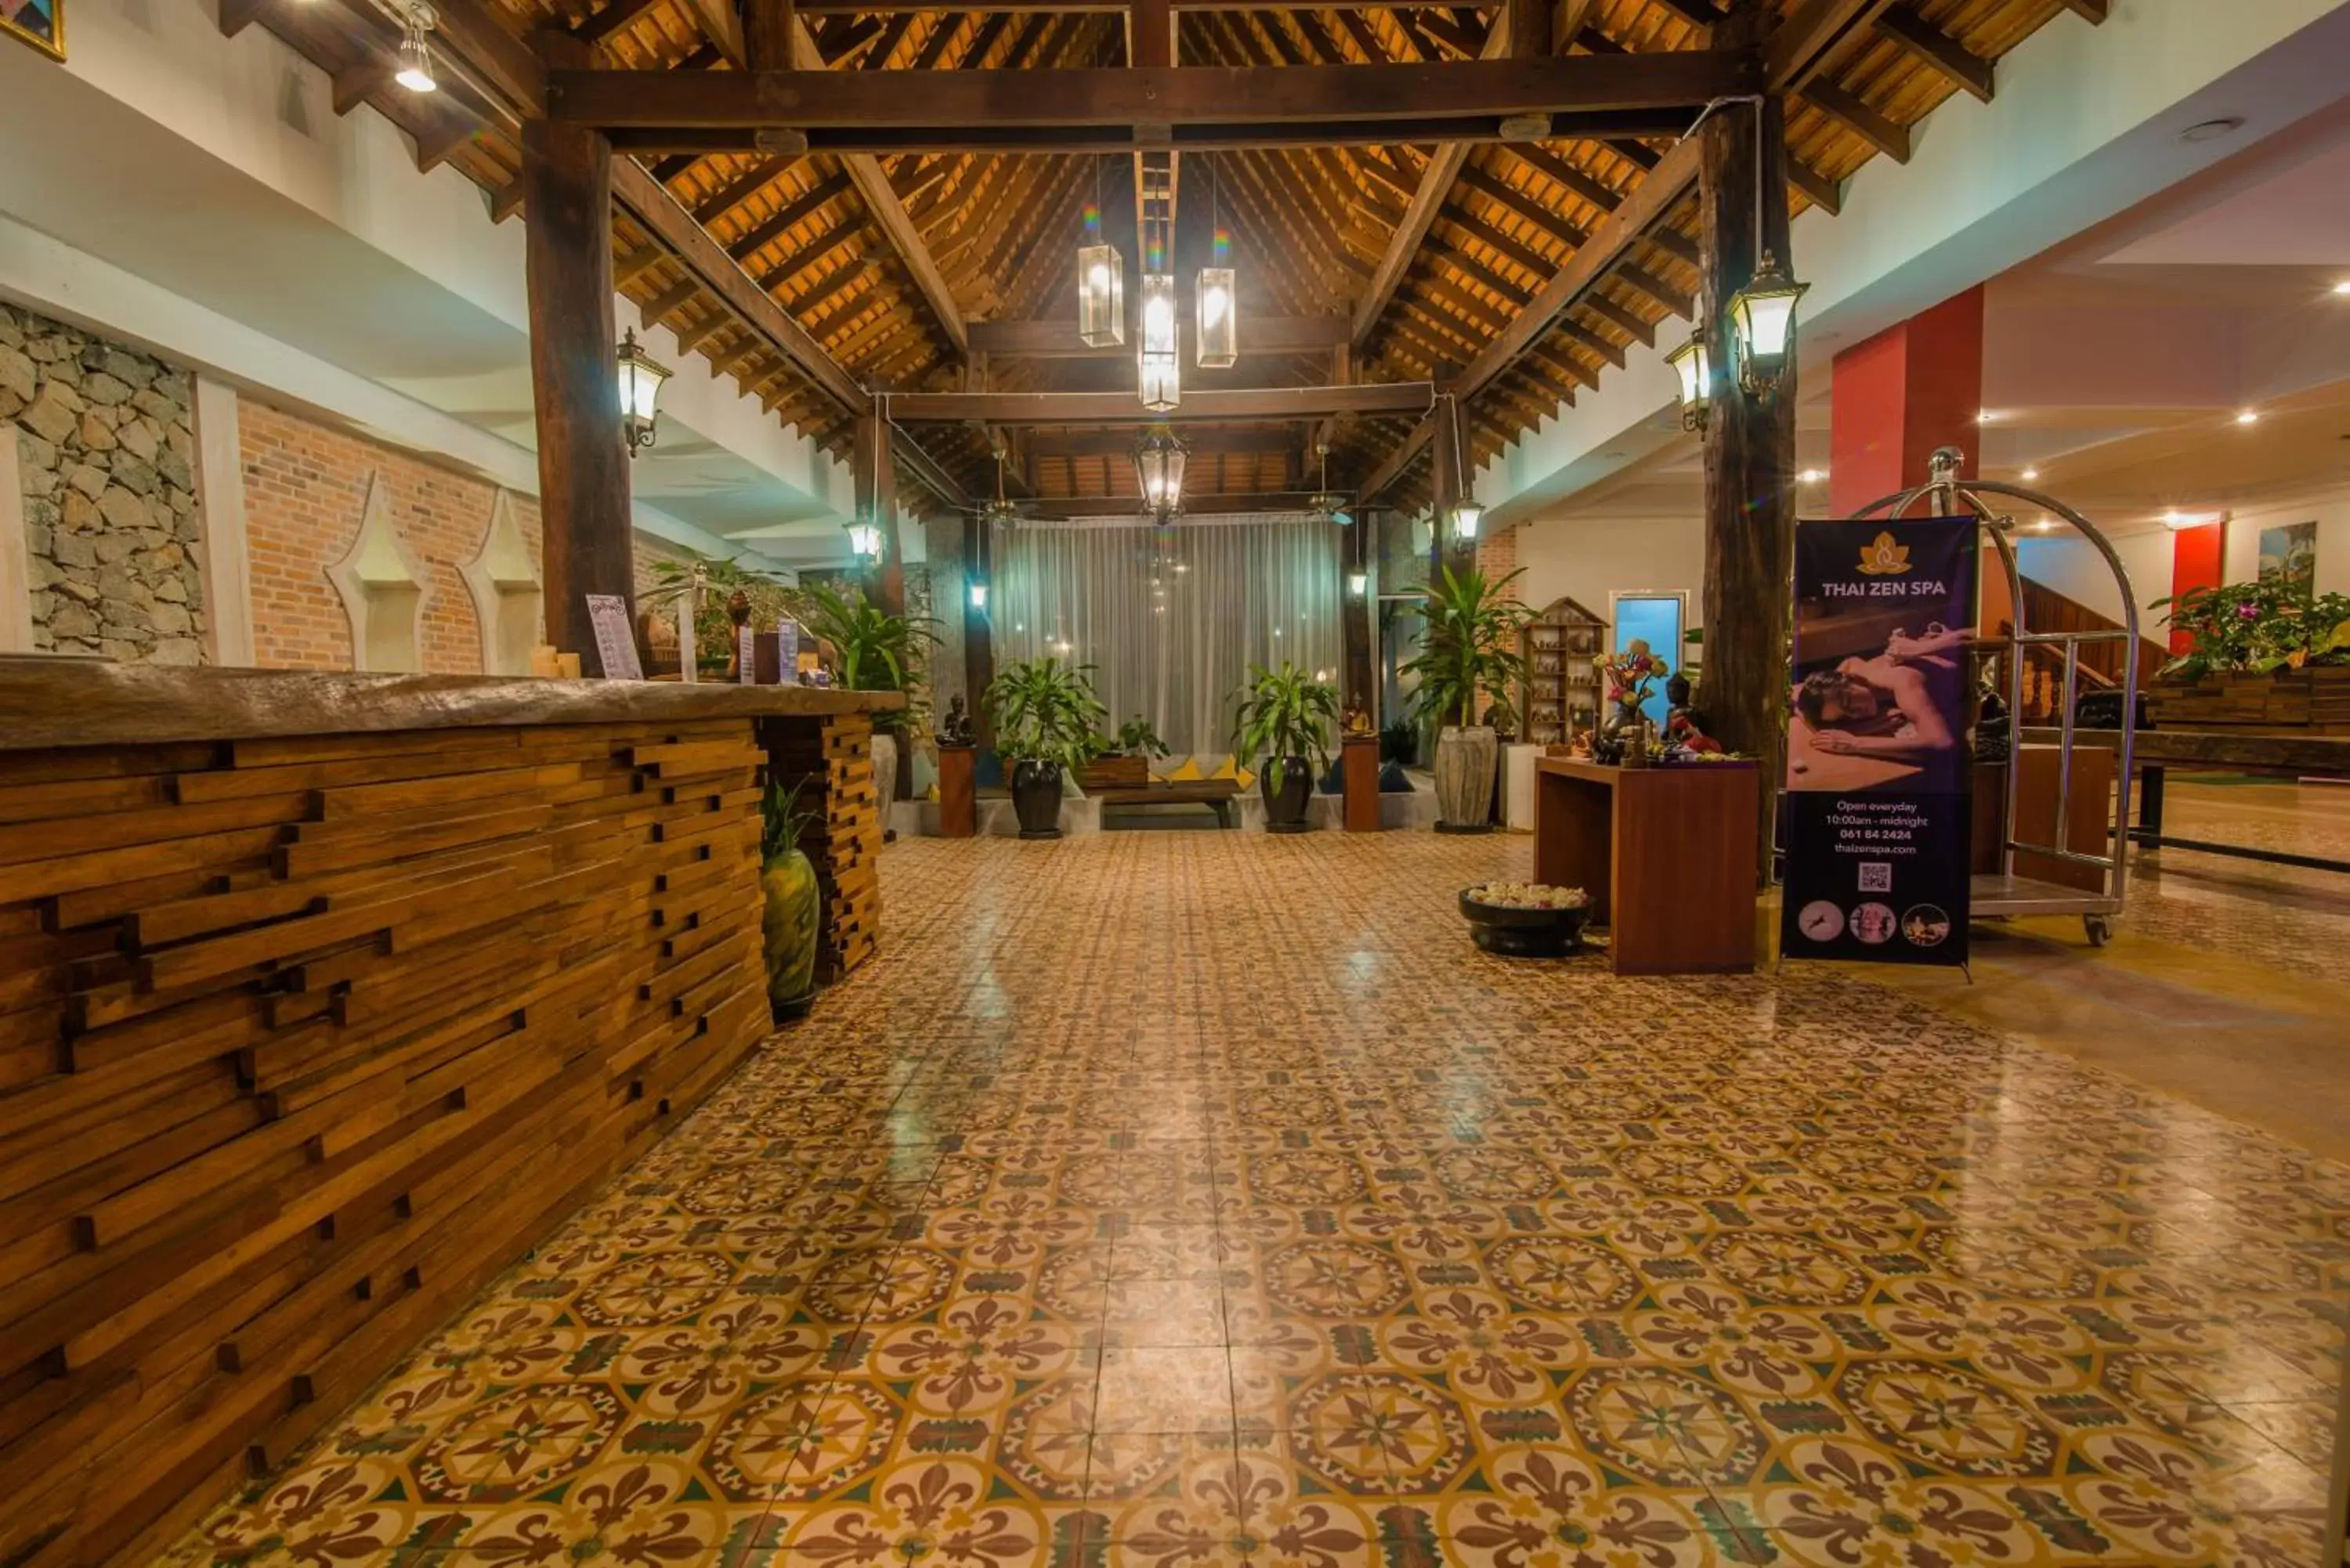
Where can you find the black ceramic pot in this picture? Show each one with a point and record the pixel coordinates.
(1037, 799)
(1524, 933)
(1285, 808)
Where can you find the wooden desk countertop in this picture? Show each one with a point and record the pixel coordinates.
(50, 701)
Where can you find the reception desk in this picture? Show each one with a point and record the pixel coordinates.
(1668, 855)
(322, 999)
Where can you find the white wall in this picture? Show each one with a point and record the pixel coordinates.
(2329, 509)
(1588, 558)
(2072, 566)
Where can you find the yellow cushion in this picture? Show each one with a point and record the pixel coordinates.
(1243, 777)
(1227, 769)
(1188, 772)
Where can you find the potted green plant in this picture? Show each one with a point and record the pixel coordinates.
(1467, 646)
(1282, 728)
(878, 651)
(1045, 713)
(713, 632)
(787, 887)
(1123, 759)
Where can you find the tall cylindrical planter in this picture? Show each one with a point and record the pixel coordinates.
(1465, 759)
(788, 926)
(885, 773)
(1037, 799)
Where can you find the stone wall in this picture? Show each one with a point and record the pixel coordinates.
(106, 448)
(306, 493)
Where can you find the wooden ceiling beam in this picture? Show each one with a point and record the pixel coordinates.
(1637, 328)
(643, 198)
(789, 216)
(611, 20)
(1419, 216)
(1938, 51)
(1846, 109)
(1057, 339)
(1606, 347)
(1253, 442)
(1643, 208)
(1658, 289)
(1815, 35)
(1822, 191)
(1398, 459)
(741, 188)
(1472, 91)
(1228, 404)
(2092, 12)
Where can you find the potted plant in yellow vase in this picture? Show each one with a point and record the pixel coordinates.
(787, 887)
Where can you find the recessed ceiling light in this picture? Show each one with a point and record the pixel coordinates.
(2046, 524)
(1986, 415)
(1813, 475)
(2175, 519)
(2248, 416)
(2212, 130)
(2030, 474)
(2342, 287)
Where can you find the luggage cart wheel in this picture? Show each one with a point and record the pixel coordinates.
(2100, 930)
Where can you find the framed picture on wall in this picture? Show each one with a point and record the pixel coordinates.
(40, 23)
(2289, 555)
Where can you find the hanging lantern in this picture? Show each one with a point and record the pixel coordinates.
(1693, 364)
(1220, 337)
(1101, 296)
(1159, 463)
(1358, 583)
(641, 385)
(1762, 315)
(415, 70)
(1466, 516)
(979, 597)
(1161, 378)
(865, 541)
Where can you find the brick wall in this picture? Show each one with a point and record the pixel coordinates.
(305, 490)
(1497, 554)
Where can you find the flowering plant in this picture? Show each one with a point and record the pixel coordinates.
(1527, 896)
(2258, 626)
(1627, 674)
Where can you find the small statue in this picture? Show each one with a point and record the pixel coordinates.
(954, 729)
(738, 610)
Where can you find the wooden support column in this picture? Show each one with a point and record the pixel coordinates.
(876, 502)
(1355, 613)
(583, 468)
(1750, 455)
(1449, 482)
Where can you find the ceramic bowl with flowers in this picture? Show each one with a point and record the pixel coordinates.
(1525, 919)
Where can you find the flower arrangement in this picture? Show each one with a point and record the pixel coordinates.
(1528, 896)
(1629, 675)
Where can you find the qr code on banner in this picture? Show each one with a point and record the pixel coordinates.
(1877, 876)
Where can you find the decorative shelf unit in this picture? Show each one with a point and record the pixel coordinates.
(1562, 692)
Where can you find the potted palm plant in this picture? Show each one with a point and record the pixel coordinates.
(1469, 645)
(1281, 730)
(877, 651)
(1043, 713)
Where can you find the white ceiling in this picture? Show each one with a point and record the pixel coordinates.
(2116, 366)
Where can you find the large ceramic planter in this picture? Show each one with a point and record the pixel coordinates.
(885, 773)
(1465, 758)
(1037, 799)
(788, 926)
(1285, 808)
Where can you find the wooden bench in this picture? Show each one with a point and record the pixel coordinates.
(1216, 794)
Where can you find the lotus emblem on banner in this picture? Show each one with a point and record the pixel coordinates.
(1884, 558)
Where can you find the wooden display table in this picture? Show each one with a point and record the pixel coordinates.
(1359, 773)
(1668, 855)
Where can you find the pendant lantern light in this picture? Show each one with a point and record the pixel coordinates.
(1219, 299)
(1159, 463)
(1101, 282)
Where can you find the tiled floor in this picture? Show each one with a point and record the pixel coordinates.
(1187, 1199)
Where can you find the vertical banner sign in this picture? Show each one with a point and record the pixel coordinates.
(1877, 811)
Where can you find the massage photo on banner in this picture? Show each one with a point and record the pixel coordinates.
(1877, 761)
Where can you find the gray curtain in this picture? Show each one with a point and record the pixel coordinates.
(1172, 618)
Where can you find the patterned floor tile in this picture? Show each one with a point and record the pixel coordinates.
(1217, 1203)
